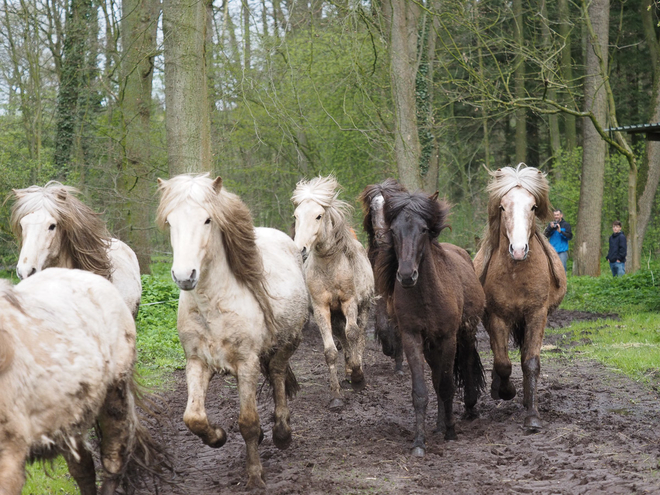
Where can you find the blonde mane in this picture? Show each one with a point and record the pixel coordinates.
(337, 237)
(503, 180)
(85, 237)
(234, 221)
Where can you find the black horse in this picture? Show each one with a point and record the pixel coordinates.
(436, 300)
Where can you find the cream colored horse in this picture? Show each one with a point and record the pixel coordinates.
(242, 306)
(338, 274)
(56, 229)
(67, 348)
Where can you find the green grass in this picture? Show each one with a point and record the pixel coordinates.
(55, 480)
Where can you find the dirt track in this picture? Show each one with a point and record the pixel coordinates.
(601, 434)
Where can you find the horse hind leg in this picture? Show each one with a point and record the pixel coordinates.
(468, 370)
(198, 376)
(82, 469)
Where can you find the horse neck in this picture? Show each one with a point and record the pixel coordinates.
(64, 259)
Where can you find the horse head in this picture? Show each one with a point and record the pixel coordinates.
(310, 219)
(191, 225)
(518, 212)
(41, 243)
(415, 221)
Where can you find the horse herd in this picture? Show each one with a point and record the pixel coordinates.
(67, 337)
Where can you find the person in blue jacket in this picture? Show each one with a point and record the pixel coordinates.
(559, 233)
(618, 251)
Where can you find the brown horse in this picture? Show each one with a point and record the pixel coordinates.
(377, 229)
(436, 300)
(522, 276)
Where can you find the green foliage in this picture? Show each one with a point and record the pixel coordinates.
(629, 294)
(42, 479)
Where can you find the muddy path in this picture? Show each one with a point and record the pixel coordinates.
(602, 434)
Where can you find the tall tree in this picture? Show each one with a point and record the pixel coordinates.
(588, 239)
(521, 112)
(566, 62)
(186, 97)
(138, 30)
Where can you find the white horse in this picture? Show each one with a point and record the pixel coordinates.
(67, 348)
(242, 306)
(56, 229)
(338, 274)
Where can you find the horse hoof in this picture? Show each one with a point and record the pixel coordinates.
(450, 434)
(470, 414)
(358, 386)
(281, 436)
(508, 392)
(219, 440)
(336, 404)
(345, 385)
(418, 452)
(399, 373)
(256, 483)
(532, 425)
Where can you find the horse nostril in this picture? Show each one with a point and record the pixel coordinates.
(193, 274)
(510, 249)
(32, 272)
(173, 276)
(415, 275)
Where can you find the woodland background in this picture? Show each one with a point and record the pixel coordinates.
(108, 96)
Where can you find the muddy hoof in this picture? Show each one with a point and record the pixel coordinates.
(256, 483)
(450, 434)
(281, 436)
(418, 452)
(399, 373)
(218, 440)
(470, 414)
(507, 392)
(358, 386)
(336, 404)
(532, 425)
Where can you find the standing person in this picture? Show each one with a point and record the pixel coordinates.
(559, 233)
(618, 250)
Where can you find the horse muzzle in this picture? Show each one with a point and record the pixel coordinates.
(188, 283)
(407, 280)
(25, 272)
(519, 254)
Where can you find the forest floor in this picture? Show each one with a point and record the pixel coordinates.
(601, 433)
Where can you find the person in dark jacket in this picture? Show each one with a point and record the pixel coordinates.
(559, 233)
(618, 251)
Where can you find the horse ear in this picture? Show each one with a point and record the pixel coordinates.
(160, 181)
(18, 193)
(434, 196)
(217, 184)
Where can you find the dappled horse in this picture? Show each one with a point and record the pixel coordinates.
(437, 301)
(374, 225)
(67, 350)
(242, 306)
(522, 276)
(338, 275)
(56, 229)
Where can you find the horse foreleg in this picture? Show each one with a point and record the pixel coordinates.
(498, 331)
(82, 470)
(12, 468)
(441, 360)
(277, 369)
(355, 339)
(248, 420)
(198, 376)
(530, 358)
(322, 317)
(412, 346)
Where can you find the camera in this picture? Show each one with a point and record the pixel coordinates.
(553, 225)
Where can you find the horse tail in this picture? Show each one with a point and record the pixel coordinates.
(468, 370)
(291, 385)
(518, 333)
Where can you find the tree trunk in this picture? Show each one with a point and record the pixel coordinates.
(587, 249)
(553, 119)
(652, 147)
(519, 76)
(402, 19)
(567, 72)
(187, 117)
(138, 28)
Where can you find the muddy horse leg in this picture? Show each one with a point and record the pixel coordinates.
(530, 358)
(82, 469)
(441, 360)
(355, 339)
(12, 468)
(198, 375)
(322, 317)
(248, 420)
(470, 369)
(412, 346)
(277, 368)
(498, 331)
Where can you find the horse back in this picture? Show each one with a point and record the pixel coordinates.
(126, 273)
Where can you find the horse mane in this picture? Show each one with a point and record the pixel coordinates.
(6, 347)
(234, 222)
(502, 181)
(388, 186)
(433, 211)
(325, 192)
(85, 236)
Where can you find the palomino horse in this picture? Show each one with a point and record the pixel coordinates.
(436, 299)
(377, 229)
(57, 229)
(338, 274)
(67, 348)
(242, 306)
(522, 276)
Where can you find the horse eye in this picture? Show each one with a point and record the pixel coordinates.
(319, 217)
(534, 208)
(52, 226)
(208, 221)
(501, 207)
